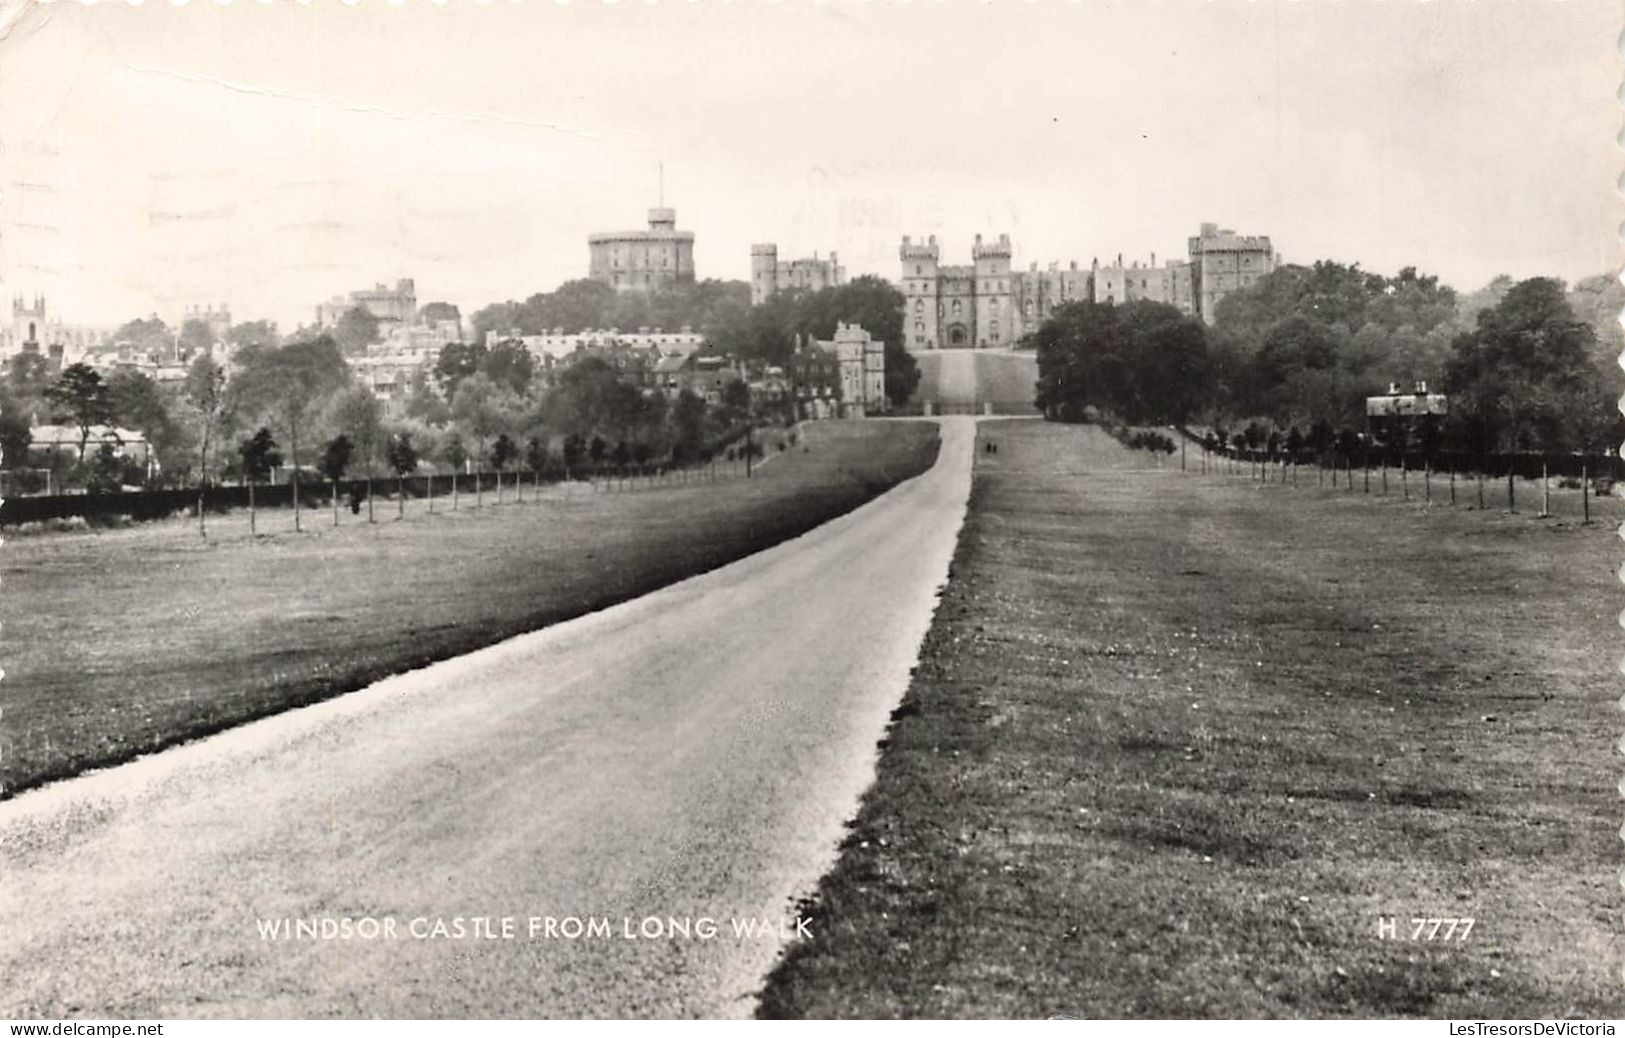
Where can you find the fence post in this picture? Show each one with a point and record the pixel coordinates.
(1385, 476)
(1512, 498)
(1404, 477)
(1545, 492)
(252, 532)
(1481, 487)
(1452, 484)
(430, 484)
(1585, 494)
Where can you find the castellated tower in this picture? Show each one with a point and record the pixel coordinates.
(922, 304)
(995, 314)
(764, 273)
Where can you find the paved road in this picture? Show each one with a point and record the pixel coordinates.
(690, 754)
(965, 380)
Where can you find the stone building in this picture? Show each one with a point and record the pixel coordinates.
(393, 307)
(769, 275)
(1223, 261)
(947, 307)
(1170, 283)
(655, 260)
(843, 377)
(217, 321)
(33, 329)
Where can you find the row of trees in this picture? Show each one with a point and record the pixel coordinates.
(1296, 354)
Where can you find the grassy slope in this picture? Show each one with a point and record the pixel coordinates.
(121, 642)
(1177, 742)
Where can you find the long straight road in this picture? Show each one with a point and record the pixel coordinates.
(689, 755)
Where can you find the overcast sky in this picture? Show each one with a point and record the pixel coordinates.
(270, 156)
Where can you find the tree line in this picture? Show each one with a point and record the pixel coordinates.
(1292, 358)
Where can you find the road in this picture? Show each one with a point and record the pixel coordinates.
(688, 755)
(966, 380)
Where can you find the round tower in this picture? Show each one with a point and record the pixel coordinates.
(764, 272)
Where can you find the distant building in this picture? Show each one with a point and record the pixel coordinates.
(1169, 284)
(1223, 261)
(558, 343)
(393, 307)
(769, 275)
(655, 260)
(33, 329)
(217, 321)
(843, 377)
(951, 307)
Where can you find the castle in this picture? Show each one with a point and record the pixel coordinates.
(986, 304)
(655, 260)
(393, 307)
(769, 275)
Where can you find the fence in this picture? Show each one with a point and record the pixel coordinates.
(1444, 477)
(143, 505)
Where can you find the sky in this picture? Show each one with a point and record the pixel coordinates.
(272, 155)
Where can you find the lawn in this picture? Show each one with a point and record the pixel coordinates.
(119, 642)
(1178, 745)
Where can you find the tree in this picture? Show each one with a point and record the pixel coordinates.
(423, 403)
(508, 364)
(735, 400)
(535, 455)
(1143, 362)
(254, 333)
(502, 452)
(196, 337)
(574, 448)
(455, 455)
(260, 455)
(206, 389)
(687, 428)
(1516, 377)
(15, 433)
(288, 384)
(335, 459)
(432, 313)
(902, 373)
(137, 402)
(356, 330)
(403, 458)
(80, 396)
(480, 407)
(149, 335)
(356, 410)
(457, 361)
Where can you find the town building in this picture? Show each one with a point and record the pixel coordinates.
(31, 323)
(393, 307)
(843, 377)
(1223, 261)
(655, 260)
(769, 275)
(557, 343)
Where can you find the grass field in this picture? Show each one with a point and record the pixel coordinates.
(119, 642)
(1178, 744)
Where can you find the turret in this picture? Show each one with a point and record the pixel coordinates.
(764, 272)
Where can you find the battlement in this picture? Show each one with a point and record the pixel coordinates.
(991, 250)
(926, 251)
(764, 249)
